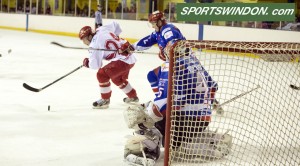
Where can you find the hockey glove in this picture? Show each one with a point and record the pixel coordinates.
(162, 55)
(125, 49)
(86, 62)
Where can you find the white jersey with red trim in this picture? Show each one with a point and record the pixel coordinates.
(107, 37)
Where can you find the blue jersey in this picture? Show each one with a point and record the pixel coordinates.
(193, 87)
(158, 79)
(167, 33)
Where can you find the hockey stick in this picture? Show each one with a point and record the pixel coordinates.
(81, 48)
(236, 97)
(97, 49)
(26, 86)
(295, 87)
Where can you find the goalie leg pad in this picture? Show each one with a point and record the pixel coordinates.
(200, 149)
(133, 145)
(222, 142)
(135, 160)
(219, 138)
(209, 144)
(136, 118)
(145, 146)
(152, 134)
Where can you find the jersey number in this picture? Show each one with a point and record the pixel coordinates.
(112, 45)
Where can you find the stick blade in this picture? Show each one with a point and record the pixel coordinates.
(26, 86)
(295, 87)
(55, 43)
(63, 46)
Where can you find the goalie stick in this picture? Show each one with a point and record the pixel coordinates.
(295, 87)
(236, 97)
(26, 86)
(97, 49)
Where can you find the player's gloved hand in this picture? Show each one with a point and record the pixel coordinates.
(162, 55)
(125, 49)
(86, 62)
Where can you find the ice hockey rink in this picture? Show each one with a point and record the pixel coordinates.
(71, 133)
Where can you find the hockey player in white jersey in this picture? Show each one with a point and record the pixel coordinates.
(121, 61)
(193, 96)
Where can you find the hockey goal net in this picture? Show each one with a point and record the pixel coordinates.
(256, 105)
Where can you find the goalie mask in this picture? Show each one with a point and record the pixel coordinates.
(157, 20)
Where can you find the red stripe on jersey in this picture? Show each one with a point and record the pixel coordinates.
(110, 56)
(155, 90)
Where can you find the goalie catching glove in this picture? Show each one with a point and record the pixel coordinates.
(126, 49)
(139, 117)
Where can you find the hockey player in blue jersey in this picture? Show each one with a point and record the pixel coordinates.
(158, 77)
(164, 32)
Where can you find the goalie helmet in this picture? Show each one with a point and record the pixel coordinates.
(85, 31)
(157, 16)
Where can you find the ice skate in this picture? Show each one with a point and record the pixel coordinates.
(131, 100)
(101, 104)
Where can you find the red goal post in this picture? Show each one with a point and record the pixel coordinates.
(264, 121)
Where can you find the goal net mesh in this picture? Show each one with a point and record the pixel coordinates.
(255, 107)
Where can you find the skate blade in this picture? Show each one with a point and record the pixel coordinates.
(101, 107)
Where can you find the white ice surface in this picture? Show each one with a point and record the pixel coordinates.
(74, 134)
(71, 133)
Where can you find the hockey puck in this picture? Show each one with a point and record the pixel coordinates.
(0, 55)
(48, 107)
(9, 51)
